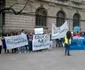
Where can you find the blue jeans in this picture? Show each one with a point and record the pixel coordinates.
(57, 43)
(22, 49)
(67, 49)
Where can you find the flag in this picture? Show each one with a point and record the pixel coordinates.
(59, 32)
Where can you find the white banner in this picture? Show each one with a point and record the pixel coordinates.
(38, 30)
(59, 32)
(41, 42)
(16, 41)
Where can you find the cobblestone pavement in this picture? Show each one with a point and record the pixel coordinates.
(45, 60)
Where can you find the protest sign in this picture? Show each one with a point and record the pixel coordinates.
(38, 30)
(59, 32)
(16, 41)
(41, 42)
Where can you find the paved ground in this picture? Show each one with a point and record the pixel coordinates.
(46, 60)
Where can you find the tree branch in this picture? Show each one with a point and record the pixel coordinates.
(10, 8)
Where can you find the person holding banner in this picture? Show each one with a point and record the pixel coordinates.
(30, 38)
(67, 42)
(4, 45)
(14, 49)
(0, 45)
(27, 46)
(22, 48)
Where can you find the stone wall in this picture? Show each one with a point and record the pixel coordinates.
(25, 21)
(19, 22)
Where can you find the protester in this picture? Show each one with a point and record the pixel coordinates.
(27, 46)
(18, 33)
(4, 45)
(0, 45)
(30, 38)
(61, 42)
(49, 32)
(67, 42)
(50, 48)
(22, 48)
(14, 49)
(57, 42)
(76, 35)
(81, 36)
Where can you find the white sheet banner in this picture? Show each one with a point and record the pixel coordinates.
(38, 30)
(16, 41)
(41, 42)
(59, 32)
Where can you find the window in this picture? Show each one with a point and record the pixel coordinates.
(2, 4)
(60, 18)
(41, 17)
(76, 20)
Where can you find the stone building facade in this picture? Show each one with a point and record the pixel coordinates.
(42, 13)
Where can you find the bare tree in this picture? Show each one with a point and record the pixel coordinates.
(14, 11)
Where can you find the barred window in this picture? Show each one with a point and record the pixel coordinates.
(60, 18)
(41, 17)
(76, 20)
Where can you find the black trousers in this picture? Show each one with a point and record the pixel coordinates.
(30, 45)
(0, 49)
(14, 50)
(5, 49)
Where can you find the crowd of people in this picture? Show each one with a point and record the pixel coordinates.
(75, 35)
(67, 40)
(78, 35)
(22, 49)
